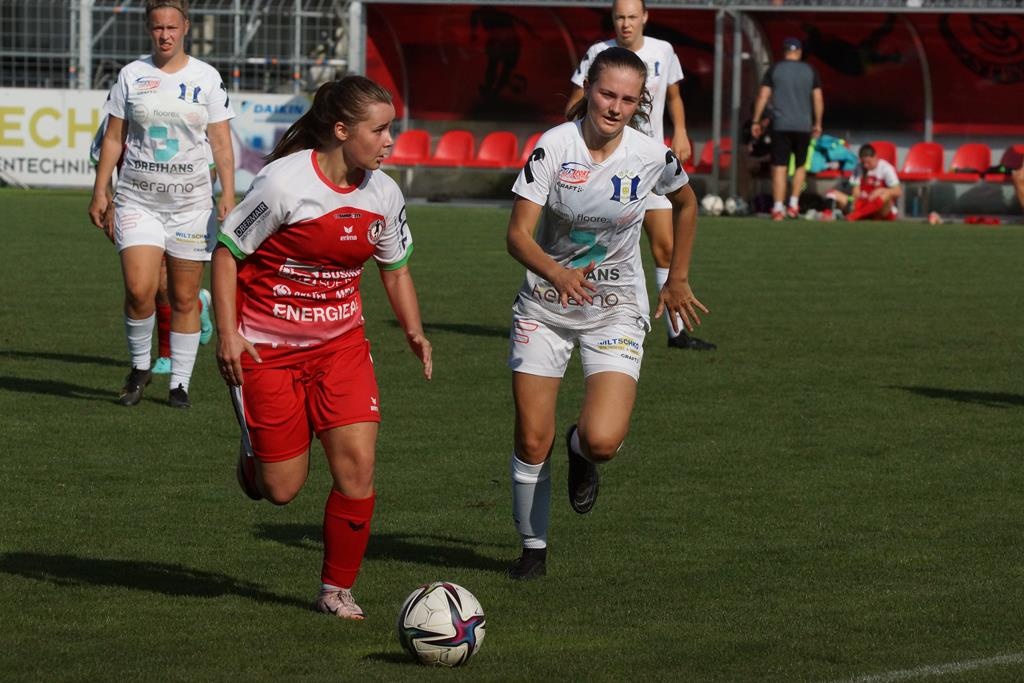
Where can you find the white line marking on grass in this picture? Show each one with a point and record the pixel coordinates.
(940, 669)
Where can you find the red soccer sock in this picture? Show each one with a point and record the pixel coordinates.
(346, 533)
(865, 209)
(163, 330)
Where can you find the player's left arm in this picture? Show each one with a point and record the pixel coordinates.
(219, 135)
(402, 295)
(676, 295)
(677, 113)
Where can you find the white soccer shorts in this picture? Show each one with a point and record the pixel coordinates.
(656, 201)
(189, 235)
(537, 348)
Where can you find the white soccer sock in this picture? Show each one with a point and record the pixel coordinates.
(778, 206)
(660, 278)
(140, 340)
(184, 348)
(531, 501)
(794, 202)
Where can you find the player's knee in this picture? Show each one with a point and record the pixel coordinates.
(280, 493)
(184, 305)
(533, 447)
(600, 445)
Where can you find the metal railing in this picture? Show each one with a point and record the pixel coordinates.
(281, 46)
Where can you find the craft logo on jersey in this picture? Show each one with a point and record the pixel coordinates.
(573, 173)
(375, 231)
(624, 187)
(146, 84)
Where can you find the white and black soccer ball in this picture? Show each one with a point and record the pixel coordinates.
(441, 624)
(712, 205)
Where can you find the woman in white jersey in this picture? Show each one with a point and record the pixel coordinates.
(576, 225)
(291, 343)
(161, 112)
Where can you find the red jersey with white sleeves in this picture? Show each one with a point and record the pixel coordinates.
(882, 175)
(302, 242)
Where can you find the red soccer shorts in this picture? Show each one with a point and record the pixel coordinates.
(284, 406)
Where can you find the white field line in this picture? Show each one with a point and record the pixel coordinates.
(940, 669)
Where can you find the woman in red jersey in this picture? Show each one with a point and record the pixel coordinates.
(289, 316)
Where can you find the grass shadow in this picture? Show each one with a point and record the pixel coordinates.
(430, 549)
(55, 388)
(991, 399)
(155, 577)
(399, 658)
(63, 358)
(463, 328)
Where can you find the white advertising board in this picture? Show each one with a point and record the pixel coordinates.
(45, 134)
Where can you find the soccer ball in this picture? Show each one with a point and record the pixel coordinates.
(441, 624)
(712, 204)
(736, 206)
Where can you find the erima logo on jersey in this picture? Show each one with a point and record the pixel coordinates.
(573, 173)
(250, 220)
(348, 236)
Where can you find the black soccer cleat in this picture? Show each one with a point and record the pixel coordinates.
(685, 341)
(583, 478)
(246, 473)
(532, 564)
(178, 398)
(134, 383)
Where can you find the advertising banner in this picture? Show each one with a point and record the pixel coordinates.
(45, 134)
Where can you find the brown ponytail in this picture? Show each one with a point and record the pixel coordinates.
(346, 100)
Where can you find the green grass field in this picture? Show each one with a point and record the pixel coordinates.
(835, 493)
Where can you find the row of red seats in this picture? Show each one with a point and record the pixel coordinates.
(924, 162)
(500, 150)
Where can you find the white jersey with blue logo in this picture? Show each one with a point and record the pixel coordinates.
(165, 164)
(663, 69)
(593, 212)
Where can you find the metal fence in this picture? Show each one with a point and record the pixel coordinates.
(257, 45)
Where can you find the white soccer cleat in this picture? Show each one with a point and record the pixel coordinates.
(340, 603)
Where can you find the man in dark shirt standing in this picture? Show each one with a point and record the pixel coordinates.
(797, 106)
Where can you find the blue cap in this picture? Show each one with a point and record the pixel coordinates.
(791, 44)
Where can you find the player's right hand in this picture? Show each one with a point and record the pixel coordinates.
(229, 357)
(572, 283)
(98, 211)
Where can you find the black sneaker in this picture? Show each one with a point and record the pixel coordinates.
(178, 398)
(246, 473)
(134, 383)
(583, 478)
(530, 565)
(685, 341)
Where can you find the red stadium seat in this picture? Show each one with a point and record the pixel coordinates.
(411, 148)
(531, 142)
(454, 148)
(969, 163)
(1012, 159)
(499, 149)
(885, 150)
(704, 164)
(924, 162)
